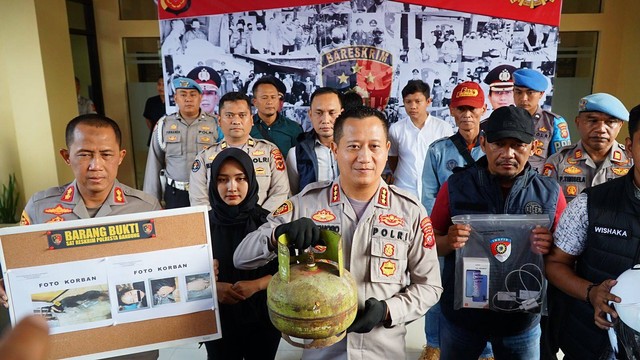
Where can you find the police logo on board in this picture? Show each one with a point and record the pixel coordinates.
(533, 207)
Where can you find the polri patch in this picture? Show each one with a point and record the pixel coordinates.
(286, 207)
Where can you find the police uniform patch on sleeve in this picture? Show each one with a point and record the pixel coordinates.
(548, 168)
(286, 207)
(196, 166)
(277, 157)
(428, 237)
(564, 130)
(24, 219)
(118, 196)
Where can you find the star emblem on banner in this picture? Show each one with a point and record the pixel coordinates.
(343, 78)
(356, 68)
(371, 78)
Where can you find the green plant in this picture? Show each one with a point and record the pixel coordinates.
(9, 201)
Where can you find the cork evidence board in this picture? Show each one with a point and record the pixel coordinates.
(115, 285)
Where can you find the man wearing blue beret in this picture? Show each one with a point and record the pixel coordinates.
(597, 157)
(551, 130)
(175, 141)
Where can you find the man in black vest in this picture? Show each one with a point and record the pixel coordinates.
(606, 215)
(312, 160)
(502, 182)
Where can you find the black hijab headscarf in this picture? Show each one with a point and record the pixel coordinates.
(229, 225)
(248, 211)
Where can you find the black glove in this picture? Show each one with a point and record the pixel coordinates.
(375, 312)
(302, 233)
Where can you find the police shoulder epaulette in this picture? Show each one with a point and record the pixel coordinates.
(55, 191)
(553, 114)
(139, 194)
(621, 146)
(316, 186)
(405, 194)
(265, 142)
(439, 141)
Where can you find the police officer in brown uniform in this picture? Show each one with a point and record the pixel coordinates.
(94, 153)
(597, 157)
(268, 162)
(551, 130)
(388, 241)
(175, 141)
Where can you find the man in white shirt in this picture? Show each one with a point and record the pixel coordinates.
(410, 137)
(311, 160)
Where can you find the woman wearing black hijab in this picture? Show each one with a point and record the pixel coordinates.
(247, 332)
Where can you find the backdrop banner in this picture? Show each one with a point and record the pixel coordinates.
(372, 47)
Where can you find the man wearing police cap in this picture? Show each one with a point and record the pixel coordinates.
(175, 141)
(551, 130)
(500, 81)
(597, 157)
(209, 81)
(268, 162)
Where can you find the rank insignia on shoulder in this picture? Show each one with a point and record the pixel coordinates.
(118, 195)
(68, 194)
(285, 208)
(578, 154)
(383, 196)
(617, 155)
(335, 193)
